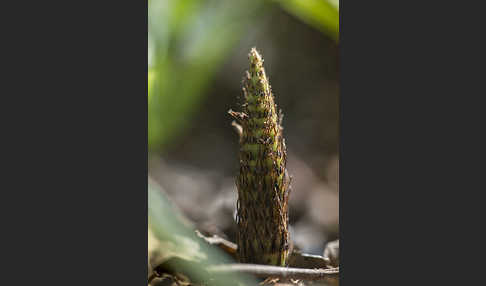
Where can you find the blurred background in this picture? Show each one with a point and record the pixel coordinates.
(197, 58)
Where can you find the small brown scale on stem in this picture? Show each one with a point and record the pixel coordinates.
(263, 184)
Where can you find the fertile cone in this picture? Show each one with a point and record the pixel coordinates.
(263, 184)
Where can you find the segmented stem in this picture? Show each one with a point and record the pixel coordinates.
(263, 184)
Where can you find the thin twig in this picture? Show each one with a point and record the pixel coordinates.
(276, 271)
(296, 259)
(225, 245)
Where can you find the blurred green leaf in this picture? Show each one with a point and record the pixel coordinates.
(321, 14)
(189, 40)
(177, 239)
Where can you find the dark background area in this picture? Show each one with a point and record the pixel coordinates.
(407, 87)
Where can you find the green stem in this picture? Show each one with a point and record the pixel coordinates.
(262, 182)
